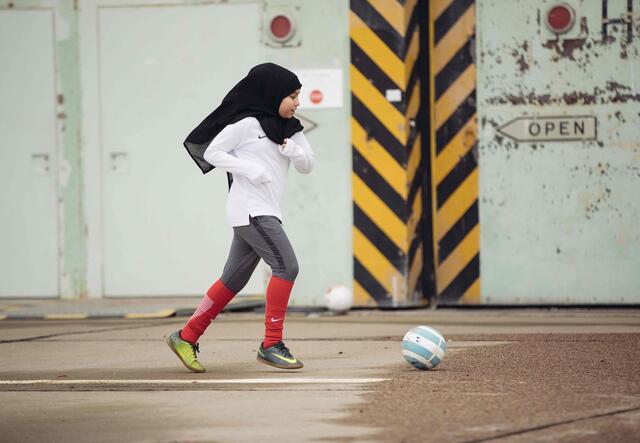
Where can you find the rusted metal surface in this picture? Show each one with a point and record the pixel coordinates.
(561, 219)
(534, 63)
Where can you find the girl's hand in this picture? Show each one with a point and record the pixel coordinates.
(287, 148)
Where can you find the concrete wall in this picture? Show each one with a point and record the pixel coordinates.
(560, 220)
(317, 207)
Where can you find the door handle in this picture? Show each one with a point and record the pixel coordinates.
(119, 162)
(40, 163)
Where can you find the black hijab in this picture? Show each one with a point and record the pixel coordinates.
(257, 95)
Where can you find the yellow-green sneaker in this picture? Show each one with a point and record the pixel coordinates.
(279, 356)
(185, 351)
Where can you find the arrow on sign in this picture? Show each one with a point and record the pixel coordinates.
(552, 128)
(309, 125)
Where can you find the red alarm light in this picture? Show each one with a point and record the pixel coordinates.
(281, 28)
(560, 18)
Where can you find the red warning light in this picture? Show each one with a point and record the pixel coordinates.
(281, 28)
(560, 18)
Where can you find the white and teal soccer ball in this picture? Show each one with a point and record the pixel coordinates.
(423, 347)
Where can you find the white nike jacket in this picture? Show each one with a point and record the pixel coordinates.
(259, 167)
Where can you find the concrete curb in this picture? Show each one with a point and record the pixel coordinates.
(97, 314)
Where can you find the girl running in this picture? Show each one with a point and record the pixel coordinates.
(253, 136)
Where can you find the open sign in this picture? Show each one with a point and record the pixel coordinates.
(561, 128)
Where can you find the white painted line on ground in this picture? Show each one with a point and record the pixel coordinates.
(195, 382)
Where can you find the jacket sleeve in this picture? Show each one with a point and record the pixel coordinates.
(226, 141)
(300, 153)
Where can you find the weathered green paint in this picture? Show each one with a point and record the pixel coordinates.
(73, 239)
(23, 4)
(73, 253)
(559, 219)
(318, 207)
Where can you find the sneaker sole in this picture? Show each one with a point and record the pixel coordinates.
(276, 365)
(170, 343)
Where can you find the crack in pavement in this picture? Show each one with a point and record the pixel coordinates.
(90, 331)
(551, 425)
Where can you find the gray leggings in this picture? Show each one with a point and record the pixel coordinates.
(264, 239)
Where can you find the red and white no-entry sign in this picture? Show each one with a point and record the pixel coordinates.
(316, 96)
(321, 88)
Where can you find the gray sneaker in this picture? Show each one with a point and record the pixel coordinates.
(279, 356)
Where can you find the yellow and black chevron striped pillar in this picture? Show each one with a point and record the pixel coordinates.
(387, 160)
(456, 229)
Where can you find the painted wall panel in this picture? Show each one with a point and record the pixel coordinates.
(163, 69)
(28, 172)
(317, 207)
(453, 147)
(560, 219)
(386, 133)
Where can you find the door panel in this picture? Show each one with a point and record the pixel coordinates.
(163, 69)
(29, 222)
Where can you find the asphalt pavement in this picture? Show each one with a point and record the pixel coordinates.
(509, 375)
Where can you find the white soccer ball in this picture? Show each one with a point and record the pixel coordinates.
(423, 347)
(339, 299)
